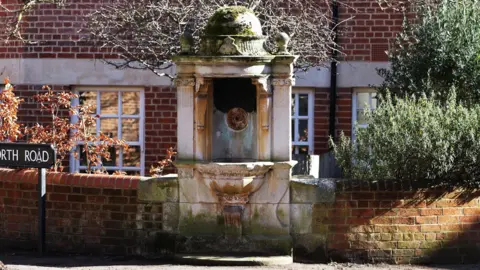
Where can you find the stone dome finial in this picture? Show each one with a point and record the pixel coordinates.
(233, 30)
(281, 40)
(233, 21)
(186, 43)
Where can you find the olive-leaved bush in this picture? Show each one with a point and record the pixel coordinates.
(415, 139)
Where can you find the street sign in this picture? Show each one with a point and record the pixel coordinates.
(26, 155)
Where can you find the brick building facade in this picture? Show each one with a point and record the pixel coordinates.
(59, 61)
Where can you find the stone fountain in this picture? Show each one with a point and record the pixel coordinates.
(234, 139)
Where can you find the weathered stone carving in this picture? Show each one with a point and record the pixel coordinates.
(262, 86)
(201, 96)
(184, 82)
(186, 43)
(200, 83)
(223, 170)
(233, 199)
(283, 81)
(282, 40)
(228, 47)
(233, 184)
(264, 101)
(237, 119)
(237, 29)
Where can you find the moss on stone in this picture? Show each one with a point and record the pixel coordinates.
(202, 223)
(281, 245)
(245, 246)
(162, 189)
(258, 228)
(222, 22)
(256, 215)
(320, 229)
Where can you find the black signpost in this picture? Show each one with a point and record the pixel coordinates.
(25, 155)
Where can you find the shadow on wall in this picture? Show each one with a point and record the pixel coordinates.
(390, 225)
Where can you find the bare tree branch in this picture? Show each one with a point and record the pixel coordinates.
(406, 5)
(145, 34)
(19, 11)
(149, 31)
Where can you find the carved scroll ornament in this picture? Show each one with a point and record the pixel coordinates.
(201, 97)
(264, 103)
(283, 81)
(184, 82)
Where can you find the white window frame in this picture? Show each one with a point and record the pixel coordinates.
(311, 106)
(356, 91)
(75, 163)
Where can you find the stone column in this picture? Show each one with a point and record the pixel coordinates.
(282, 111)
(264, 112)
(185, 117)
(202, 118)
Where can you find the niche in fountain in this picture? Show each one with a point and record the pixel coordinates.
(234, 120)
(234, 144)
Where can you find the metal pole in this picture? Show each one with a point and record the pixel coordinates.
(42, 190)
(333, 71)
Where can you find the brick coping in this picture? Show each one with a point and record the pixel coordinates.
(69, 179)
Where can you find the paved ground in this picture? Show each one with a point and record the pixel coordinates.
(31, 262)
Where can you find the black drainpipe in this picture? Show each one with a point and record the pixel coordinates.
(333, 70)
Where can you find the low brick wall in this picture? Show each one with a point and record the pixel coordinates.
(329, 220)
(92, 214)
(372, 224)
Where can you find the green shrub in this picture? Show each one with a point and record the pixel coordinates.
(439, 50)
(415, 140)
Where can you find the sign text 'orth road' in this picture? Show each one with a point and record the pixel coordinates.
(23, 155)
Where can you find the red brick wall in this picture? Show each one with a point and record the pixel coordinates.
(401, 226)
(100, 214)
(160, 123)
(29, 111)
(56, 31)
(368, 29)
(85, 213)
(343, 119)
(365, 35)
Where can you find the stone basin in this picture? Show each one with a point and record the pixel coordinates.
(234, 169)
(234, 178)
(237, 179)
